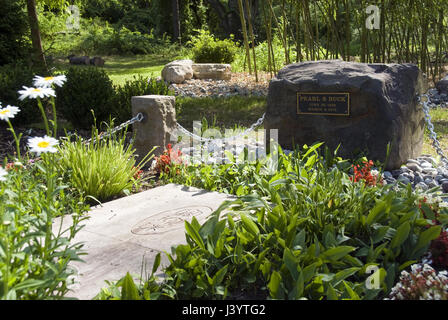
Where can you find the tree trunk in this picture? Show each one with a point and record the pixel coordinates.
(228, 13)
(176, 20)
(38, 54)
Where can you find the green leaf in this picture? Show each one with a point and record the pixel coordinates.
(338, 252)
(274, 285)
(156, 264)
(401, 235)
(376, 212)
(309, 272)
(291, 263)
(331, 293)
(194, 234)
(219, 276)
(353, 294)
(426, 237)
(344, 274)
(30, 283)
(249, 225)
(129, 290)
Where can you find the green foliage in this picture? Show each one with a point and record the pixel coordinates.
(138, 20)
(102, 169)
(98, 37)
(303, 231)
(139, 86)
(86, 89)
(119, 41)
(13, 31)
(207, 49)
(34, 259)
(261, 52)
(12, 78)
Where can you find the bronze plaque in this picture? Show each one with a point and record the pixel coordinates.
(323, 104)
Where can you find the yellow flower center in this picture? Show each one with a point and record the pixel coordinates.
(4, 111)
(48, 78)
(43, 144)
(36, 90)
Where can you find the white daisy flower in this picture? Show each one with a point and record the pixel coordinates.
(40, 145)
(3, 174)
(8, 112)
(34, 93)
(47, 82)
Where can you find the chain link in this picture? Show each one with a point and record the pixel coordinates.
(432, 133)
(138, 118)
(223, 140)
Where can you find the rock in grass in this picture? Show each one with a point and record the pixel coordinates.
(178, 71)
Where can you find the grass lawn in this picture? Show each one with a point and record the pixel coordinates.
(121, 68)
(228, 113)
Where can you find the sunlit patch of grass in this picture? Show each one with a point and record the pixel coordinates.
(226, 113)
(122, 68)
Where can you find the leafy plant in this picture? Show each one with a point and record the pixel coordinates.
(86, 89)
(34, 257)
(101, 169)
(302, 231)
(207, 49)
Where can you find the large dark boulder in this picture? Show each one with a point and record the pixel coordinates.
(84, 60)
(383, 108)
(442, 85)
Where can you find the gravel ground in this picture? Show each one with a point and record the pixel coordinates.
(241, 84)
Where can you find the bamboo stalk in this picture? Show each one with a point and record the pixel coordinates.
(243, 27)
(251, 33)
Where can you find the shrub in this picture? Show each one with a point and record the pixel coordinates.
(101, 169)
(305, 231)
(12, 78)
(86, 89)
(139, 86)
(208, 49)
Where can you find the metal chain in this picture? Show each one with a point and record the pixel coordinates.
(432, 133)
(207, 140)
(138, 118)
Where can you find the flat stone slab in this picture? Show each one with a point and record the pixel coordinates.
(123, 235)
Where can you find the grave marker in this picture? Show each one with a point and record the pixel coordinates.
(361, 107)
